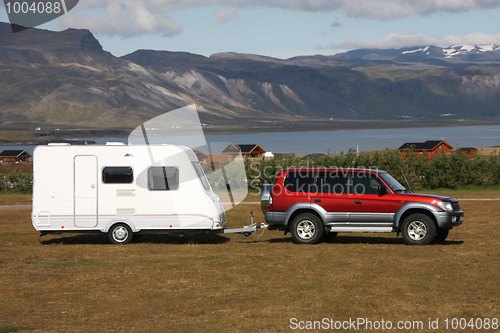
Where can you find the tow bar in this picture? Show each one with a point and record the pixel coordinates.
(249, 229)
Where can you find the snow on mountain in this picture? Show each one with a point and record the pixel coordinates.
(491, 47)
(456, 50)
(422, 49)
(450, 52)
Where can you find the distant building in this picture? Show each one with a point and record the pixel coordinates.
(246, 150)
(468, 151)
(427, 149)
(202, 157)
(14, 156)
(269, 154)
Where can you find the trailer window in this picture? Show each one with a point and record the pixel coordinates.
(163, 178)
(117, 175)
(202, 176)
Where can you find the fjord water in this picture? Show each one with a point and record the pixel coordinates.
(302, 143)
(366, 140)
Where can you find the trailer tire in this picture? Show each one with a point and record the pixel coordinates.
(120, 233)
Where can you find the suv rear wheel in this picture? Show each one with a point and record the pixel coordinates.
(307, 229)
(418, 229)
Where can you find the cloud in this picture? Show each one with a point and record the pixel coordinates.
(225, 15)
(394, 40)
(137, 17)
(475, 38)
(335, 25)
(123, 17)
(373, 9)
(431, 6)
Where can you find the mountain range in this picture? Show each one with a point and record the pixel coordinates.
(66, 80)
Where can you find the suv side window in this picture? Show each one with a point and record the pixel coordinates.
(301, 181)
(332, 182)
(365, 183)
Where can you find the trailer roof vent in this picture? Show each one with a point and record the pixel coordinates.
(58, 144)
(115, 144)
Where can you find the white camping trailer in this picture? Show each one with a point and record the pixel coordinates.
(122, 189)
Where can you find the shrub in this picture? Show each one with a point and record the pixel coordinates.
(443, 171)
(16, 181)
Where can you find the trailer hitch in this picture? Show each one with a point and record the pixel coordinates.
(249, 229)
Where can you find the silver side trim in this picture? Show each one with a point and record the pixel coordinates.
(361, 229)
(372, 217)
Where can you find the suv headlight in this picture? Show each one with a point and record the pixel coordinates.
(445, 205)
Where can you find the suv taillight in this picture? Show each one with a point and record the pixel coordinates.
(266, 200)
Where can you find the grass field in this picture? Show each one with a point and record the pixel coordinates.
(80, 283)
(489, 151)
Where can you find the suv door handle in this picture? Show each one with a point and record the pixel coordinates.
(357, 202)
(317, 200)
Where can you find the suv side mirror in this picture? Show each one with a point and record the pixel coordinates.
(382, 190)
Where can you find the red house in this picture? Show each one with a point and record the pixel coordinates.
(14, 156)
(202, 157)
(469, 151)
(245, 150)
(427, 149)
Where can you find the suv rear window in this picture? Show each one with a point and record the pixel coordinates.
(300, 181)
(316, 182)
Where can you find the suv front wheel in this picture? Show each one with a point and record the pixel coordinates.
(307, 229)
(418, 229)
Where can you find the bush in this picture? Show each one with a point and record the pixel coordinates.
(443, 171)
(17, 182)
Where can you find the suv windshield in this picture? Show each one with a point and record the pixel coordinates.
(392, 182)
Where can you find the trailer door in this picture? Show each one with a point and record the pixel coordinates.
(85, 191)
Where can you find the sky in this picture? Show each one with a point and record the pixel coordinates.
(280, 28)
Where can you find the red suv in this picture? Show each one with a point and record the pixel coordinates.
(311, 203)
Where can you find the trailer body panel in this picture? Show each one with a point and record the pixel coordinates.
(147, 187)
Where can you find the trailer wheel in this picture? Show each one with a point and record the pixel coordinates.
(120, 233)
